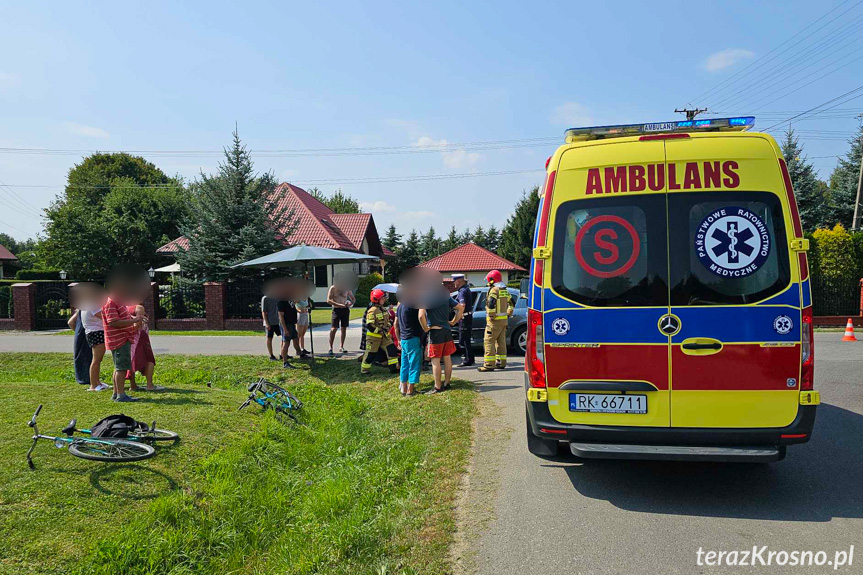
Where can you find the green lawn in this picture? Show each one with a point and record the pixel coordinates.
(367, 485)
(319, 317)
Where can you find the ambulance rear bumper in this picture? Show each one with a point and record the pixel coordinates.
(544, 425)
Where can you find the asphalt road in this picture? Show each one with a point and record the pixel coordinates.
(591, 516)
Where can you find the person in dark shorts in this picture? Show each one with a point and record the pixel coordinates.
(435, 320)
(465, 327)
(288, 323)
(341, 300)
(270, 315)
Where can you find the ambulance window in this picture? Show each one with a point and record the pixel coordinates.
(611, 251)
(726, 247)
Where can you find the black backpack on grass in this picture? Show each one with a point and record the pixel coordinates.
(117, 426)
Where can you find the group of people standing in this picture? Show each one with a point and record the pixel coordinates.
(113, 321)
(422, 326)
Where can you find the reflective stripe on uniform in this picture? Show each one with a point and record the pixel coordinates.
(366, 365)
(373, 334)
(392, 361)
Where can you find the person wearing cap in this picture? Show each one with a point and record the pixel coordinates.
(465, 327)
(378, 333)
(498, 309)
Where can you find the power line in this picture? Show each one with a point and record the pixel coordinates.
(738, 76)
(848, 93)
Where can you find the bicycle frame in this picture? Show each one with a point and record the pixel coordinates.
(59, 441)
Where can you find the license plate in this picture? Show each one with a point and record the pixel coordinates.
(607, 403)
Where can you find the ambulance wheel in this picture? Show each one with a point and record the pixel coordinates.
(539, 446)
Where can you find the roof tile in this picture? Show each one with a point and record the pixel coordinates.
(468, 258)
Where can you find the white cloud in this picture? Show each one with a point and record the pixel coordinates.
(418, 215)
(452, 158)
(377, 206)
(726, 58)
(8, 81)
(571, 114)
(87, 131)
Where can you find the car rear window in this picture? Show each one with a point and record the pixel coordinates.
(611, 251)
(726, 247)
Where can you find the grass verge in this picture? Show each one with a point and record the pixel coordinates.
(366, 485)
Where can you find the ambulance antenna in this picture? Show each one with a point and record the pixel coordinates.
(690, 113)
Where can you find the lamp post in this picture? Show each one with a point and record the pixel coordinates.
(152, 272)
(63, 274)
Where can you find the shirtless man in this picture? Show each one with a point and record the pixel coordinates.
(341, 299)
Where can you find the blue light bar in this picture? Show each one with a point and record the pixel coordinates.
(707, 125)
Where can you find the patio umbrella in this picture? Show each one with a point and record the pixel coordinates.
(388, 287)
(306, 255)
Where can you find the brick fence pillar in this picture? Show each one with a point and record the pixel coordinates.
(149, 303)
(214, 301)
(24, 300)
(861, 296)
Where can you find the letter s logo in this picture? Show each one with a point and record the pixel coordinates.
(603, 243)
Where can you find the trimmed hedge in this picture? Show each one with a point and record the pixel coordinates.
(37, 275)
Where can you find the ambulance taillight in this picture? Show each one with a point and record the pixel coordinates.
(533, 359)
(807, 351)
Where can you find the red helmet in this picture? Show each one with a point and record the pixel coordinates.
(378, 295)
(493, 277)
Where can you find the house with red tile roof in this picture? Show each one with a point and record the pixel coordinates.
(7, 261)
(318, 225)
(474, 262)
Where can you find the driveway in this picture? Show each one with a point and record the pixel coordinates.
(592, 516)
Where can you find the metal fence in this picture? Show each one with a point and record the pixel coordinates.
(52, 305)
(835, 296)
(243, 299)
(181, 301)
(7, 309)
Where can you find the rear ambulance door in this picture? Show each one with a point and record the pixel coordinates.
(607, 288)
(735, 361)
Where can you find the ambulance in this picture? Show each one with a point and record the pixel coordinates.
(669, 308)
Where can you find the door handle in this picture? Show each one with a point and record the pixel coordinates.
(701, 346)
(716, 346)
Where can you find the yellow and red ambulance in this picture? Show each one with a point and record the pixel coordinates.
(670, 315)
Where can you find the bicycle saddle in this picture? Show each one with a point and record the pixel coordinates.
(70, 429)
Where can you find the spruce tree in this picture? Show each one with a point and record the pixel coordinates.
(234, 216)
(452, 240)
(516, 238)
(429, 245)
(843, 182)
(409, 255)
(492, 238)
(392, 239)
(478, 236)
(814, 208)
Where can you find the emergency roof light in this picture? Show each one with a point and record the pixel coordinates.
(707, 125)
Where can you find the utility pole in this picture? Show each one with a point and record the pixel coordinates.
(690, 114)
(855, 223)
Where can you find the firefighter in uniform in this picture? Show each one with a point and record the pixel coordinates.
(498, 310)
(378, 333)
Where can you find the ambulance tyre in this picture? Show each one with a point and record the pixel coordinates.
(539, 446)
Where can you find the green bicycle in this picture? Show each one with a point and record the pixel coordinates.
(94, 449)
(271, 396)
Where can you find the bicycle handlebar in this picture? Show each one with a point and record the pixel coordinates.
(33, 419)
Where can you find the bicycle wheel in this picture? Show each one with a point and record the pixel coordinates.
(156, 435)
(116, 450)
(288, 398)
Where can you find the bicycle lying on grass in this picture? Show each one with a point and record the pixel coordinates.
(111, 449)
(141, 432)
(270, 396)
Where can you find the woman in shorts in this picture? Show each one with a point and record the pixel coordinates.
(95, 334)
(303, 309)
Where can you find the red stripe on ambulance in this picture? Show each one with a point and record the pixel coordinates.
(639, 178)
(608, 362)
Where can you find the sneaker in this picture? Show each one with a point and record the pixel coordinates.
(288, 365)
(342, 350)
(330, 352)
(274, 358)
(114, 396)
(304, 354)
(125, 399)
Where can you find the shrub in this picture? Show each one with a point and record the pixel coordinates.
(365, 287)
(835, 253)
(34, 274)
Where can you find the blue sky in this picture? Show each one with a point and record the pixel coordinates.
(177, 76)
